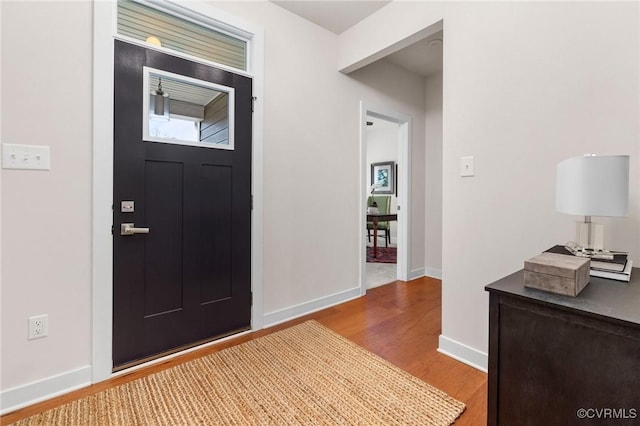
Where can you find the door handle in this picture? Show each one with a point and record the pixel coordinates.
(130, 229)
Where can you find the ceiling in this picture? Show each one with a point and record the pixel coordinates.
(380, 124)
(423, 57)
(335, 16)
(183, 91)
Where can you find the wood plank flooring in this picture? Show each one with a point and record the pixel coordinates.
(399, 322)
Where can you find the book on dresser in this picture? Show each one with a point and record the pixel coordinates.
(624, 275)
(619, 268)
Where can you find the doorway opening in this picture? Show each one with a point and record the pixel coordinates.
(385, 171)
(382, 237)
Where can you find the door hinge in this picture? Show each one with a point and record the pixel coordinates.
(253, 101)
(251, 201)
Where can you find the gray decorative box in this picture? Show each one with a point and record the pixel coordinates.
(557, 273)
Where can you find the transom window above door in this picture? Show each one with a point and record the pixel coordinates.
(188, 35)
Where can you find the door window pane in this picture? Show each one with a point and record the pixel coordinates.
(187, 111)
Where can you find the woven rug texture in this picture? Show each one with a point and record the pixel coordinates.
(303, 375)
(384, 255)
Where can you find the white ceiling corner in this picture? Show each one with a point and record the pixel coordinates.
(423, 57)
(335, 16)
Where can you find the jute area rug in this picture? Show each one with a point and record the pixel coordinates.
(303, 375)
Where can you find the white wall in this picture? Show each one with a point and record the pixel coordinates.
(46, 100)
(525, 85)
(312, 155)
(433, 175)
(1, 139)
(382, 146)
(311, 178)
(392, 88)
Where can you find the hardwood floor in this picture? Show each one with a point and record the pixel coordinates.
(399, 322)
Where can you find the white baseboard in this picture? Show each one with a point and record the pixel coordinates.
(433, 273)
(31, 393)
(277, 317)
(416, 273)
(463, 353)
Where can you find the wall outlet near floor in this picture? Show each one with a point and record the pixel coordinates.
(466, 166)
(38, 326)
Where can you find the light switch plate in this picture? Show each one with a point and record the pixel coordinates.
(28, 157)
(466, 166)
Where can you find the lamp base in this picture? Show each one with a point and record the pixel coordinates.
(590, 235)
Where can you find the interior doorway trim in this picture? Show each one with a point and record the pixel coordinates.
(104, 24)
(404, 189)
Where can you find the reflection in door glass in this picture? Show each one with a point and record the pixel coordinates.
(175, 128)
(184, 110)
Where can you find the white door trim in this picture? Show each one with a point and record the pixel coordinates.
(404, 189)
(102, 186)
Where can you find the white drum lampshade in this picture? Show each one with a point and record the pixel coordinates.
(593, 186)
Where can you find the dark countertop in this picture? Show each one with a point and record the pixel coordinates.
(602, 297)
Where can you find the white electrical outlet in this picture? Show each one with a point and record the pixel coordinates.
(38, 326)
(466, 166)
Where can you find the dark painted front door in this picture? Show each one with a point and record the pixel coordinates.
(189, 279)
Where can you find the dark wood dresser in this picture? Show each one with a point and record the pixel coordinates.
(560, 360)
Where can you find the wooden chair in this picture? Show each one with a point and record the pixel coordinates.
(384, 207)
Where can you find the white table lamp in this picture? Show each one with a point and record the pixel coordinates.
(593, 186)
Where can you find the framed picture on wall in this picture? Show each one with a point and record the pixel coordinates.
(382, 177)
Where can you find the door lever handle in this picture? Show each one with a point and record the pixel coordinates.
(130, 229)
